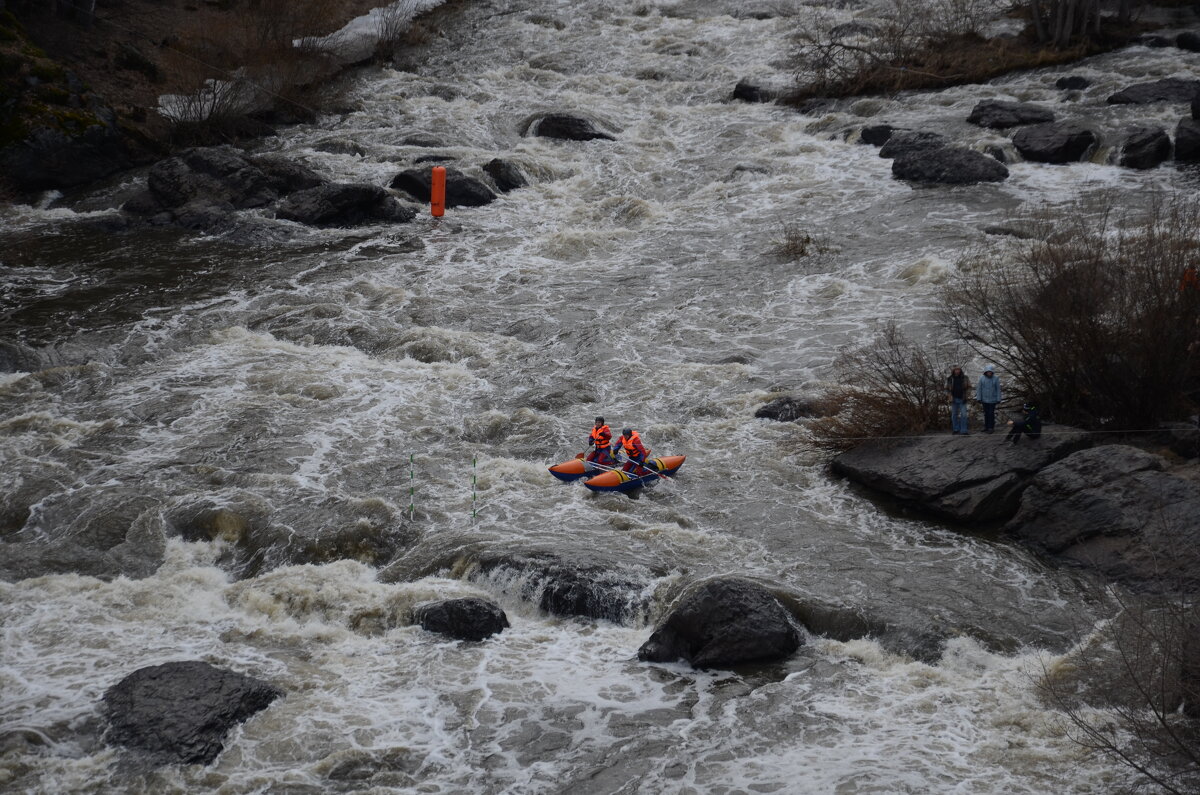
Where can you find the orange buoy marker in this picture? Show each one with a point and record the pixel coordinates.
(437, 192)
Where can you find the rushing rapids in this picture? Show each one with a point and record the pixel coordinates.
(267, 451)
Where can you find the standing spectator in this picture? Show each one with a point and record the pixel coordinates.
(987, 392)
(957, 389)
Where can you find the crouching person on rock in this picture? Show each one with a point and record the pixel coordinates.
(1030, 424)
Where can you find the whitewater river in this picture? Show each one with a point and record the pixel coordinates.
(363, 420)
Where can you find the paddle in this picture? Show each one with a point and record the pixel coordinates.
(650, 471)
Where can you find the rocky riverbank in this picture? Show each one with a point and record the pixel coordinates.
(1128, 513)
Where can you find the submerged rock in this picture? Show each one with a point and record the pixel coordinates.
(999, 115)
(343, 204)
(576, 586)
(505, 174)
(1060, 142)
(948, 165)
(972, 479)
(748, 92)
(786, 409)
(723, 622)
(566, 127)
(1145, 147)
(179, 712)
(1171, 89)
(465, 619)
(1072, 83)
(461, 190)
(1117, 509)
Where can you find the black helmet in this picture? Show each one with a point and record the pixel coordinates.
(628, 431)
(600, 420)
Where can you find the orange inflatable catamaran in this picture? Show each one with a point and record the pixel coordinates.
(605, 478)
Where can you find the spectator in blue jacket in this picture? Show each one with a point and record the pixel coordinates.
(987, 392)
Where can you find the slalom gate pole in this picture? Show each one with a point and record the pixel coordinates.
(412, 488)
(473, 471)
(437, 192)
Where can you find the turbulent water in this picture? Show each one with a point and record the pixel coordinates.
(264, 454)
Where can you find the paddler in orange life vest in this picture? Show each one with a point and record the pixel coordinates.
(599, 440)
(631, 444)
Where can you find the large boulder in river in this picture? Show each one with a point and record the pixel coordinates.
(1117, 509)
(566, 127)
(1187, 140)
(179, 712)
(216, 173)
(972, 479)
(465, 619)
(1060, 142)
(461, 190)
(948, 165)
(998, 115)
(905, 141)
(1171, 89)
(343, 204)
(749, 92)
(723, 622)
(1145, 147)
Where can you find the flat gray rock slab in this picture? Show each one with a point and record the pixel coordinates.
(975, 478)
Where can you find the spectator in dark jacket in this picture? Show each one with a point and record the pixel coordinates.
(957, 391)
(1030, 425)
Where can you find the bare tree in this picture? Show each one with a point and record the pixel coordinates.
(1097, 318)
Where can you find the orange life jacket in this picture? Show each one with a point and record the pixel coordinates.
(633, 445)
(601, 436)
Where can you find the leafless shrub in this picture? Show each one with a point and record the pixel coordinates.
(1131, 688)
(1094, 315)
(796, 243)
(835, 59)
(262, 54)
(889, 386)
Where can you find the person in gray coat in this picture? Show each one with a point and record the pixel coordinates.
(987, 392)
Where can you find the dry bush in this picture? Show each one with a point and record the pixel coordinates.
(1093, 316)
(796, 243)
(1131, 689)
(262, 55)
(889, 386)
(836, 59)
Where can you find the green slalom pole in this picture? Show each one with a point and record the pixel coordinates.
(473, 482)
(412, 488)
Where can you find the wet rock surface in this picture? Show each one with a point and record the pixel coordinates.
(948, 165)
(1061, 142)
(464, 619)
(1117, 509)
(902, 142)
(999, 115)
(972, 479)
(1145, 147)
(180, 712)
(571, 586)
(343, 204)
(721, 623)
(461, 190)
(1171, 89)
(505, 174)
(566, 127)
(788, 408)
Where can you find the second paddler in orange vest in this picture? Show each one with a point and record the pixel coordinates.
(630, 444)
(599, 440)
